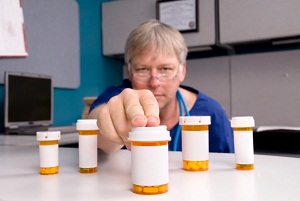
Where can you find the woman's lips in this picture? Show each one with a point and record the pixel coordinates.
(157, 95)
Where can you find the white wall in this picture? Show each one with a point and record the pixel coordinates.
(264, 85)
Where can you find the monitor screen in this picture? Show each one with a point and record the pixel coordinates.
(28, 99)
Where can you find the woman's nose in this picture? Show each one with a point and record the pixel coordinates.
(154, 81)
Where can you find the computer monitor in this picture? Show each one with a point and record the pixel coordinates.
(28, 100)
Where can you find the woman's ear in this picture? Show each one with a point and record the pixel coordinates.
(182, 72)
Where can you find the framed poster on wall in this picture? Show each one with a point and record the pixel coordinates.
(180, 14)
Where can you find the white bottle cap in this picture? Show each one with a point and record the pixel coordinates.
(243, 121)
(86, 124)
(194, 120)
(47, 135)
(158, 133)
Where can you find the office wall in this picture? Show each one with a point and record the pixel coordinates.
(211, 75)
(52, 43)
(264, 85)
(96, 72)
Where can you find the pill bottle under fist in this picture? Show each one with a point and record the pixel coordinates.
(48, 148)
(243, 142)
(149, 159)
(195, 142)
(87, 145)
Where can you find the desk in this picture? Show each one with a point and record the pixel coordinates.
(274, 178)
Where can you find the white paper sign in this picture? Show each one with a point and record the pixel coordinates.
(12, 31)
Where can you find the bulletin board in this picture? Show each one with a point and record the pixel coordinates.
(52, 40)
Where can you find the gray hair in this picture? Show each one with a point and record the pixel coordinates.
(154, 34)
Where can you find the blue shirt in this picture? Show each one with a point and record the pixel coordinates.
(220, 131)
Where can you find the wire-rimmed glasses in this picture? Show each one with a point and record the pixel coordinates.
(143, 74)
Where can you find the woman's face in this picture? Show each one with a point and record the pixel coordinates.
(160, 73)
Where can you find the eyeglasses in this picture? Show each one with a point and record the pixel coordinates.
(165, 74)
(159, 77)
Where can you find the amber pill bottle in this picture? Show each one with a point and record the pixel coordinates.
(195, 142)
(149, 160)
(87, 145)
(48, 150)
(243, 142)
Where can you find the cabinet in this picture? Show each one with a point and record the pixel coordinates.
(256, 20)
(119, 18)
(266, 86)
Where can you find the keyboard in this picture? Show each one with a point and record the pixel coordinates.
(34, 129)
(63, 129)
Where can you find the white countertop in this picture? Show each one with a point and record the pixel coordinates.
(274, 178)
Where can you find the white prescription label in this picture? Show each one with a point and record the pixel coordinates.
(48, 155)
(149, 165)
(243, 147)
(195, 145)
(87, 146)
